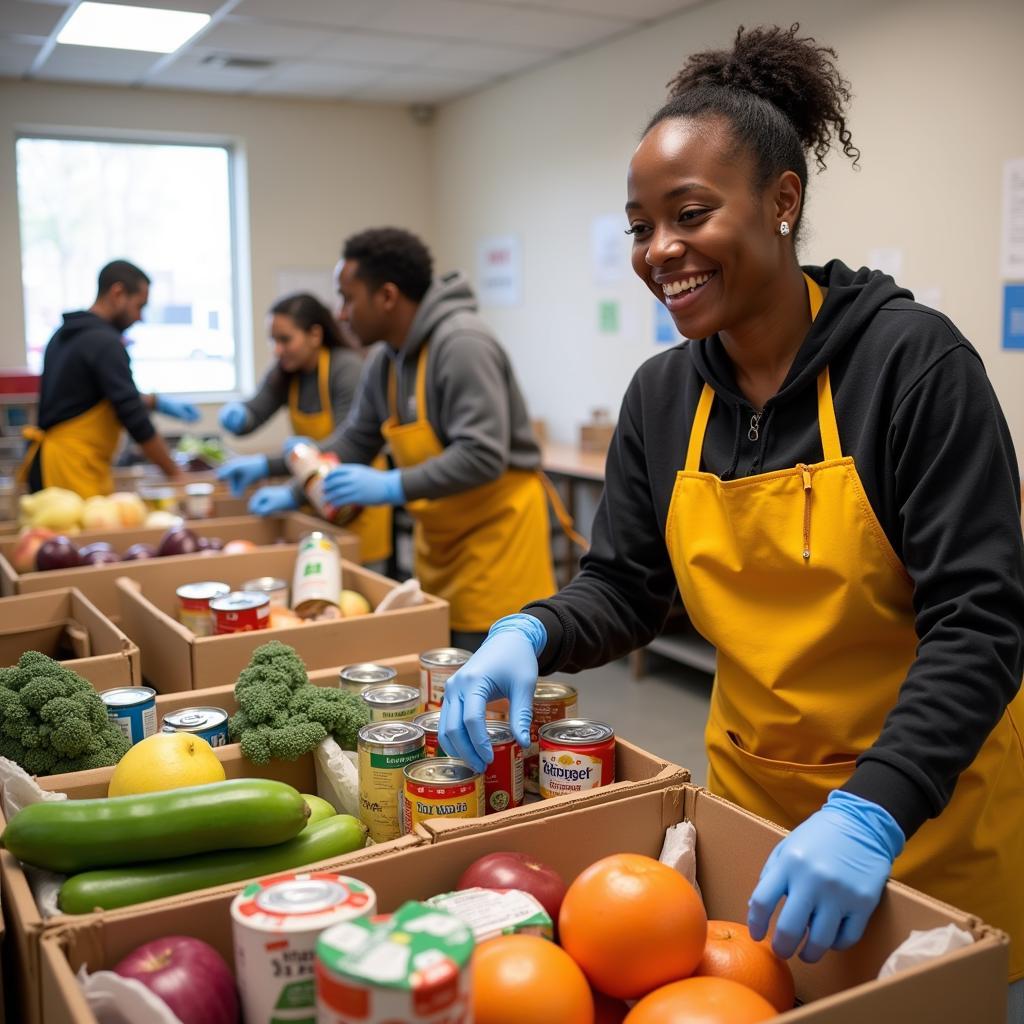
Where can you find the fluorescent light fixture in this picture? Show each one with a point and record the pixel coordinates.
(118, 27)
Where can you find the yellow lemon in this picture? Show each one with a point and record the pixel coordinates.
(168, 760)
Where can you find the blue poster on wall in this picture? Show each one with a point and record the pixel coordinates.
(665, 330)
(1013, 316)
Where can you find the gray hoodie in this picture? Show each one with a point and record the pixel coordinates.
(473, 399)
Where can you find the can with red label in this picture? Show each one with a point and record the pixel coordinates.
(503, 777)
(194, 605)
(551, 702)
(440, 787)
(241, 611)
(576, 755)
(430, 722)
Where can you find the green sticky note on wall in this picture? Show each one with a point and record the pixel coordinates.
(608, 316)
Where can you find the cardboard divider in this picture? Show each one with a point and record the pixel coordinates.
(967, 985)
(97, 582)
(26, 925)
(174, 659)
(64, 622)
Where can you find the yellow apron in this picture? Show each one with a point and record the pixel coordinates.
(487, 551)
(372, 525)
(791, 577)
(77, 453)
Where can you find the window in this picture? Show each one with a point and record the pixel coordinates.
(167, 209)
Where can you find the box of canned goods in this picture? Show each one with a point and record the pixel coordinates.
(194, 605)
(576, 755)
(436, 667)
(440, 787)
(551, 703)
(429, 722)
(392, 702)
(356, 678)
(209, 723)
(132, 709)
(276, 589)
(275, 923)
(385, 750)
(412, 968)
(240, 612)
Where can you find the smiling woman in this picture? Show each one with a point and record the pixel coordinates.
(826, 476)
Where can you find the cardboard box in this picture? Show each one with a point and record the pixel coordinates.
(174, 658)
(66, 625)
(26, 926)
(97, 581)
(967, 985)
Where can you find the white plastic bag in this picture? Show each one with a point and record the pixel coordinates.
(337, 777)
(679, 851)
(117, 1000)
(921, 947)
(405, 595)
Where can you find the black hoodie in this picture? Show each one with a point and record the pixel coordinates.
(916, 411)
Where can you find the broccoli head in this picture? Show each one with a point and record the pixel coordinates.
(51, 720)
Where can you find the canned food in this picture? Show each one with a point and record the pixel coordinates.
(275, 923)
(551, 703)
(503, 777)
(240, 612)
(310, 466)
(276, 589)
(199, 501)
(576, 755)
(194, 605)
(385, 749)
(436, 667)
(132, 709)
(392, 702)
(441, 787)
(209, 723)
(412, 968)
(356, 678)
(317, 581)
(430, 722)
(160, 499)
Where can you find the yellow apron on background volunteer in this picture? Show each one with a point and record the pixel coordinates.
(372, 525)
(791, 577)
(77, 453)
(487, 551)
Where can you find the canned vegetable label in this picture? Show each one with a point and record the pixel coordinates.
(551, 702)
(317, 580)
(441, 787)
(194, 605)
(132, 709)
(208, 722)
(385, 749)
(576, 755)
(240, 612)
(436, 668)
(392, 702)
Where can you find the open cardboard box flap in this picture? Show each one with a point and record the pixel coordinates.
(967, 985)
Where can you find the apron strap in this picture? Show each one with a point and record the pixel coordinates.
(831, 449)
(700, 423)
(34, 436)
(421, 388)
(324, 380)
(562, 513)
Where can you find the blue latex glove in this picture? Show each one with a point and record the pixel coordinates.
(243, 472)
(234, 417)
(832, 869)
(353, 484)
(185, 411)
(505, 666)
(268, 500)
(291, 442)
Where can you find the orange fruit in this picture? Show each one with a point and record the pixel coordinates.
(518, 978)
(730, 952)
(702, 1001)
(633, 924)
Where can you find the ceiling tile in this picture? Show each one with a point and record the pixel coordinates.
(189, 72)
(379, 48)
(25, 19)
(499, 60)
(337, 13)
(262, 39)
(16, 55)
(97, 64)
(319, 80)
(419, 87)
(633, 10)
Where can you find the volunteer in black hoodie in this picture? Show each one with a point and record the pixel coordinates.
(87, 394)
(827, 478)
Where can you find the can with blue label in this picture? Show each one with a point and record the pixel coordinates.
(209, 723)
(132, 709)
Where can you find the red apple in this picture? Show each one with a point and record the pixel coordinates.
(517, 871)
(57, 553)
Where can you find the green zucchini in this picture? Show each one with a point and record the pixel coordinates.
(124, 887)
(76, 835)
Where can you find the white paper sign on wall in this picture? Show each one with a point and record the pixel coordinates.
(1013, 219)
(609, 248)
(499, 271)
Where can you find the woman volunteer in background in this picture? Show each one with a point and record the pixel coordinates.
(828, 479)
(316, 375)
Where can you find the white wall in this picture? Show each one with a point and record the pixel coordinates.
(937, 108)
(317, 171)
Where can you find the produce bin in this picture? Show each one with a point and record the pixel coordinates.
(66, 625)
(97, 581)
(24, 922)
(966, 985)
(174, 658)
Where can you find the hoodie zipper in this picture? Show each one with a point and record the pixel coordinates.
(805, 473)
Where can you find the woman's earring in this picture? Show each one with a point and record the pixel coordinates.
(784, 228)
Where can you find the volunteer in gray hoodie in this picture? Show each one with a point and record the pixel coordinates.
(442, 395)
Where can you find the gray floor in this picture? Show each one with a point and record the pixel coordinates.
(663, 712)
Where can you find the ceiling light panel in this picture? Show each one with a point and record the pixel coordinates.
(120, 27)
